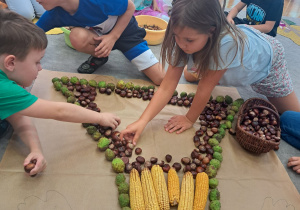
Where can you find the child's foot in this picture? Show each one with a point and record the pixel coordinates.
(93, 63)
(295, 163)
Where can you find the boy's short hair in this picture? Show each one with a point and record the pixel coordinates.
(18, 35)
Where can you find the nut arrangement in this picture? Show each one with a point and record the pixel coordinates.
(204, 160)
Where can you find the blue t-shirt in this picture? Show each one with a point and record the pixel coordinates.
(90, 13)
(258, 12)
(13, 98)
(256, 62)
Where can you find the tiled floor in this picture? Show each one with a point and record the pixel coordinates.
(291, 7)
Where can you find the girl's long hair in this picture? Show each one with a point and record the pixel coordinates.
(206, 17)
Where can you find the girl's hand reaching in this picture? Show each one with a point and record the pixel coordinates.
(110, 120)
(40, 162)
(133, 131)
(178, 123)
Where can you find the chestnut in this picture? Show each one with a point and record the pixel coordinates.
(153, 160)
(166, 168)
(140, 159)
(168, 158)
(29, 167)
(138, 151)
(185, 160)
(176, 166)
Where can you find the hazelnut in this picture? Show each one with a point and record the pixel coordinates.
(140, 159)
(138, 151)
(168, 158)
(153, 160)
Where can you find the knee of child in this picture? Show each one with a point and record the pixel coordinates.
(285, 117)
(77, 38)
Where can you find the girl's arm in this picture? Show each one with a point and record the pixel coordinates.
(26, 130)
(207, 83)
(234, 11)
(67, 112)
(157, 103)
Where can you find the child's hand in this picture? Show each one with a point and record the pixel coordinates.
(295, 163)
(178, 123)
(107, 42)
(110, 120)
(156, 8)
(230, 20)
(40, 164)
(133, 131)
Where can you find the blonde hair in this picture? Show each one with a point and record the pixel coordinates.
(206, 17)
(18, 35)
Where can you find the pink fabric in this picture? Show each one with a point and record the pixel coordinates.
(150, 11)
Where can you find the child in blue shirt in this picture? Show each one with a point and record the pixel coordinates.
(23, 45)
(102, 26)
(263, 15)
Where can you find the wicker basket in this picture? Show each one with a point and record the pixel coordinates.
(248, 141)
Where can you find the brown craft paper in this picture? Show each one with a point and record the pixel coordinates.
(79, 177)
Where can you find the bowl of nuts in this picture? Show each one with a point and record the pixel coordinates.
(155, 28)
(258, 126)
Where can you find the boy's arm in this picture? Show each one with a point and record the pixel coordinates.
(107, 41)
(26, 130)
(155, 7)
(67, 112)
(234, 11)
(264, 28)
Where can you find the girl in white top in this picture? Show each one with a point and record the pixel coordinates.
(215, 52)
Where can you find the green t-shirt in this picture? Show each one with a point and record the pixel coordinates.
(13, 98)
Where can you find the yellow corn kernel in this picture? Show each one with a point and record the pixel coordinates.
(148, 190)
(135, 191)
(160, 187)
(173, 187)
(187, 192)
(201, 192)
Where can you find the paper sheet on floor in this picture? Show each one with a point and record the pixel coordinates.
(79, 177)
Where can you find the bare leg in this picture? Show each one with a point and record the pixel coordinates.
(295, 163)
(287, 103)
(156, 73)
(188, 76)
(83, 40)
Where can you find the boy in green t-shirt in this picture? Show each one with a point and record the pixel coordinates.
(23, 45)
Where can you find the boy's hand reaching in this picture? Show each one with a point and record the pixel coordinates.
(107, 42)
(40, 162)
(110, 120)
(178, 123)
(294, 162)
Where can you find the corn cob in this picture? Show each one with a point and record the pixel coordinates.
(173, 187)
(160, 187)
(187, 192)
(135, 191)
(201, 191)
(148, 191)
